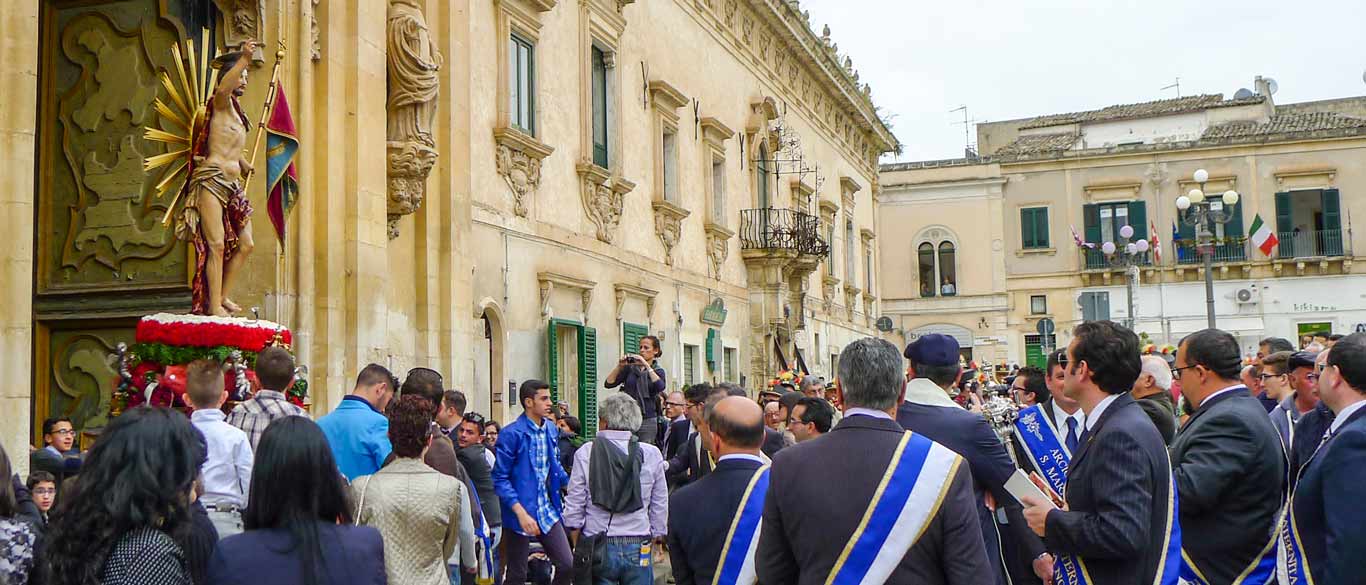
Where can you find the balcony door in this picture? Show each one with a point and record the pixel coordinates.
(1309, 223)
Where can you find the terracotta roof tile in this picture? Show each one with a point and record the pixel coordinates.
(1142, 110)
(1038, 143)
(1284, 124)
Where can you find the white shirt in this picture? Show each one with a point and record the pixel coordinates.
(1094, 415)
(747, 456)
(1222, 391)
(924, 392)
(867, 412)
(488, 456)
(227, 470)
(1061, 416)
(1346, 412)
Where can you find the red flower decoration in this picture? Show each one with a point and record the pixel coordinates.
(207, 334)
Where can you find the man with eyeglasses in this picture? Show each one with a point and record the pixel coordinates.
(1228, 465)
(1324, 537)
(58, 455)
(1312, 424)
(675, 408)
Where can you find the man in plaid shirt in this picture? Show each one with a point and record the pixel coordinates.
(275, 369)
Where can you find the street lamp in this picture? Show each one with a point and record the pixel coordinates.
(1203, 213)
(1127, 255)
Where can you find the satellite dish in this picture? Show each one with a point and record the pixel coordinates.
(1243, 93)
(1272, 86)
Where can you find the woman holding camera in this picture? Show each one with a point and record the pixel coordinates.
(641, 378)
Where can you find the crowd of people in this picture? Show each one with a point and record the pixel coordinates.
(1118, 468)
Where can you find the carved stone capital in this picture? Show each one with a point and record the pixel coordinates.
(626, 291)
(718, 246)
(829, 285)
(604, 197)
(669, 227)
(244, 20)
(851, 299)
(518, 157)
(409, 163)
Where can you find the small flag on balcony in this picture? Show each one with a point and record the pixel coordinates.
(1262, 236)
(1076, 238)
(1154, 242)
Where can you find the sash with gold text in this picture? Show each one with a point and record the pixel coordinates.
(906, 500)
(1045, 448)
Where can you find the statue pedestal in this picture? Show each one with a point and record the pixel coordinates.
(152, 371)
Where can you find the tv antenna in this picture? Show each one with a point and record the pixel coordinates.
(1176, 85)
(967, 123)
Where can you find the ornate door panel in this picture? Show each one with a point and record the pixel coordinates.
(102, 256)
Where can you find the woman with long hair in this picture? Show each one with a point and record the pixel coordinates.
(126, 518)
(298, 519)
(415, 507)
(17, 537)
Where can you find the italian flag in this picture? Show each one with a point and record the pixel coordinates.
(1262, 236)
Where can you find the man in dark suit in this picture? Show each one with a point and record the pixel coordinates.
(928, 410)
(676, 432)
(701, 513)
(1118, 496)
(808, 520)
(1229, 467)
(1329, 522)
(692, 461)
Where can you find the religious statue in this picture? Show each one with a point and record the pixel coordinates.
(217, 215)
(413, 62)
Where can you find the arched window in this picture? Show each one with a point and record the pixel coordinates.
(927, 270)
(761, 176)
(948, 280)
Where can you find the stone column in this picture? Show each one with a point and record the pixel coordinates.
(19, 76)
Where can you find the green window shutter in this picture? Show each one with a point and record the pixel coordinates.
(1091, 217)
(1234, 228)
(588, 380)
(713, 350)
(1027, 231)
(1285, 222)
(1138, 219)
(1330, 241)
(1041, 227)
(630, 337)
(552, 359)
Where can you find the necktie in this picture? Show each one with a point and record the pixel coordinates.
(1072, 435)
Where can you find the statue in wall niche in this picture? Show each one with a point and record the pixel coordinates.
(413, 62)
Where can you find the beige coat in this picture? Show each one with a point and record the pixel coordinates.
(417, 511)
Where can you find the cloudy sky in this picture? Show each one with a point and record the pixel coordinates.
(1007, 59)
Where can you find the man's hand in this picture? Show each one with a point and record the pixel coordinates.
(1036, 514)
(248, 48)
(1043, 568)
(528, 523)
(245, 167)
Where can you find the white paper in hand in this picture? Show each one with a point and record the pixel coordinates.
(1020, 486)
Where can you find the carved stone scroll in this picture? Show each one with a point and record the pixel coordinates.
(413, 61)
(604, 198)
(669, 226)
(518, 159)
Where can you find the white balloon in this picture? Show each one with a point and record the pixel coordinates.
(1108, 248)
(1183, 203)
(1142, 245)
(1130, 248)
(1201, 175)
(1126, 231)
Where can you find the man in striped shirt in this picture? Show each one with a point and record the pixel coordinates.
(275, 369)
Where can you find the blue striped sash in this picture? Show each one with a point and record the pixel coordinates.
(485, 537)
(909, 496)
(1046, 451)
(737, 555)
(1292, 566)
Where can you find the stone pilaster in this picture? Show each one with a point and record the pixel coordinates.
(19, 76)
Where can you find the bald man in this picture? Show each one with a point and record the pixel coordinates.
(702, 512)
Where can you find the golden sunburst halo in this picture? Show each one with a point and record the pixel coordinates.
(182, 117)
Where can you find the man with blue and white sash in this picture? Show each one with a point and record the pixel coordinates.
(714, 521)
(1229, 466)
(1323, 536)
(1046, 431)
(1116, 524)
(870, 502)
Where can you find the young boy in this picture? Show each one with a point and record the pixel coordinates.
(43, 486)
(227, 470)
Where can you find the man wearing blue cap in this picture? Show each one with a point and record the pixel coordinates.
(927, 410)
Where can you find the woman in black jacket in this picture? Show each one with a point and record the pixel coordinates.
(298, 520)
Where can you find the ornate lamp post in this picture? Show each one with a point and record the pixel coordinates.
(1203, 213)
(1128, 255)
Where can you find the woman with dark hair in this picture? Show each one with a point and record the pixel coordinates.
(126, 518)
(491, 429)
(17, 537)
(298, 519)
(416, 508)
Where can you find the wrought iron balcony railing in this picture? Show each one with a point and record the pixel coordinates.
(1311, 244)
(1095, 260)
(781, 229)
(1233, 249)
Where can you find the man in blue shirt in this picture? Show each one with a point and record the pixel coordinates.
(357, 430)
(527, 476)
